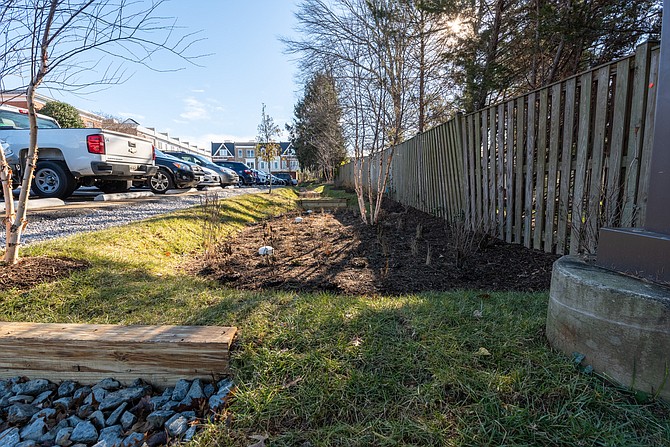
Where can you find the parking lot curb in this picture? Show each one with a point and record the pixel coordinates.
(34, 204)
(122, 196)
(212, 188)
(180, 191)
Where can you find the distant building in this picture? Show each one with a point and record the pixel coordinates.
(247, 153)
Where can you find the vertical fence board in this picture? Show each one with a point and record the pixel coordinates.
(469, 169)
(540, 178)
(485, 171)
(471, 196)
(510, 199)
(444, 166)
(564, 201)
(431, 146)
(599, 134)
(613, 188)
(492, 171)
(643, 188)
(500, 171)
(449, 169)
(530, 168)
(635, 133)
(458, 153)
(519, 150)
(447, 135)
(440, 184)
(583, 139)
(552, 174)
(476, 131)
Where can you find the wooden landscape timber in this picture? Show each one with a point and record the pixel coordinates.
(324, 203)
(88, 353)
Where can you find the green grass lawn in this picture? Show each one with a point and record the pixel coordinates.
(347, 370)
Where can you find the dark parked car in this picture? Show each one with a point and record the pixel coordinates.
(227, 176)
(287, 178)
(173, 173)
(244, 171)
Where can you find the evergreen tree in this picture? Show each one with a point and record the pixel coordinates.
(66, 114)
(317, 133)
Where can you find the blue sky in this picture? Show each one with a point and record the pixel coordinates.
(221, 100)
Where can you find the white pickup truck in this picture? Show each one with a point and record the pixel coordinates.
(69, 158)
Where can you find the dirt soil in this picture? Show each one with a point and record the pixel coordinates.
(409, 251)
(31, 271)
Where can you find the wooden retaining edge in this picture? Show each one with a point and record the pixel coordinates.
(325, 203)
(89, 353)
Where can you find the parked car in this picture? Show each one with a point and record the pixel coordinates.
(243, 171)
(261, 177)
(210, 178)
(227, 176)
(277, 181)
(287, 178)
(174, 173)
(69, 158)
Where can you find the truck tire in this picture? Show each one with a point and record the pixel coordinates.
(114, 186)
(161, 181)
(53, 179)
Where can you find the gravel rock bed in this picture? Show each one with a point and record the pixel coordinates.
(65, 222)
(39, 413)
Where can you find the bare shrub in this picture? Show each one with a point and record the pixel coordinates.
(466, 240)
(211, 224)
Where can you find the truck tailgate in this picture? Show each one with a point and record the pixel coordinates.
(125, 148)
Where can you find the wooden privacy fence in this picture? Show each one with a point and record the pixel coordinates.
(546, 169)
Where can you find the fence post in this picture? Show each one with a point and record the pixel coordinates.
(646, 252)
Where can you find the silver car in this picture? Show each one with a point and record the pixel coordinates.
(210, 178)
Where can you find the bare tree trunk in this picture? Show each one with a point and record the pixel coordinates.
(6, 178)
(20, 222)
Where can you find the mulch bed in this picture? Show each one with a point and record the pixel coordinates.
(31, 271)
(408, 251)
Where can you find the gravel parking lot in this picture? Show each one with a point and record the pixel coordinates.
(92, 216)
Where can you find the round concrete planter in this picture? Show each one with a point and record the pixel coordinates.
(619, 323)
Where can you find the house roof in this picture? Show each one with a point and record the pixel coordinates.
(223, 149)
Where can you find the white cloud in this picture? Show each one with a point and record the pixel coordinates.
(197, 91)
(194, 110)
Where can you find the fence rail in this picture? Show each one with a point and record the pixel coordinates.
(546, 169)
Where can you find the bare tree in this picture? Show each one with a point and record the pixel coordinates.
(266, 144)
(47, 41)
(364, 45)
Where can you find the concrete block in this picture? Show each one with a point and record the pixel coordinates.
(620, 323)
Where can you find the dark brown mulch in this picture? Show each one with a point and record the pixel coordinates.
(31, 271)
(409, 251)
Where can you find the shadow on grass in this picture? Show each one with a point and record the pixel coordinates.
(418, 370)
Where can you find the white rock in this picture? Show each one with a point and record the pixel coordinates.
(266, 250)
(298, 219)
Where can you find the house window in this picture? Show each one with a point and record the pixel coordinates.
(239, 153)
(276, 165)
(250, 153)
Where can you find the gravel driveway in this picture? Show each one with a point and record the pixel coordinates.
(60, 222)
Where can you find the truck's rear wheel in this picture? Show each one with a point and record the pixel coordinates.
(53, 179)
